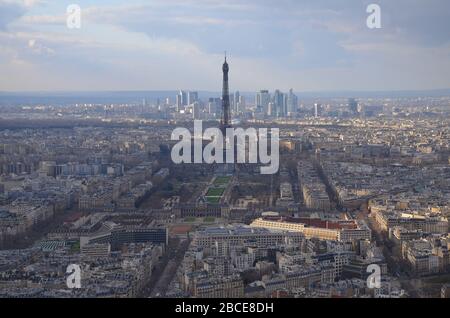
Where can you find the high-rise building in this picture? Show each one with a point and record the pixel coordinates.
(241, 104)
(192, 97)
(317, 110)
(279, 104)
(271, 109)
(178, 102)
(196, 110)
(353, 106)
(236, 101)
(263, 100)
(183, 98)
(214, 105)
(292, 103)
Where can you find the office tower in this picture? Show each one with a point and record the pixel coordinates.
(271, 109)
(226, 117)
(179, 102)
(279, 104)
(236, 101)
(285, 100)
(241, 104)
(192, 97)
(214, 105)
(196, 110)
(292, 103)
(353, 106)
(263, 100)
(183, 98)
(317, 110)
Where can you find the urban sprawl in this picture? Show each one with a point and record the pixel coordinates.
(361, 182)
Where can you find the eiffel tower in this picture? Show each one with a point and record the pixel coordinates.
(226, 115)
(225, 121)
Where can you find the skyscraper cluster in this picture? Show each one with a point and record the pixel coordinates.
(277, 105)
(184, 99)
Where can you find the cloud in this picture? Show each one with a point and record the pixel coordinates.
(9, 12)
(39, 48)
(165, 44)
(12, 10)
(43, 19)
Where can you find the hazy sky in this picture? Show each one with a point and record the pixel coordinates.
(178, 44)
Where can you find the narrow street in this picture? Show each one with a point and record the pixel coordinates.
(393, 262)
(166, 268)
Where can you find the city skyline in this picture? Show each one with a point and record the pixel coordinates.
(260, 194)
(320, 46)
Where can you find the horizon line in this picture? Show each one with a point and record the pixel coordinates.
(213, 91)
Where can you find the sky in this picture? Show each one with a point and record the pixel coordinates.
(316, 45)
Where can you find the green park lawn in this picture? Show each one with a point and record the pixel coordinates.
(221, 181)
(215, 192)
